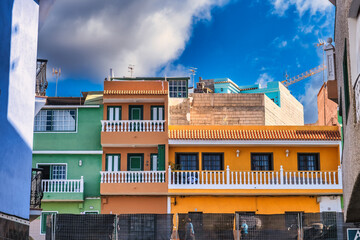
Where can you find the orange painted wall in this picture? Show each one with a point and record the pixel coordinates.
(124, 155)
(133, 204)
(259, 205)
(329, 156)
(136, 85)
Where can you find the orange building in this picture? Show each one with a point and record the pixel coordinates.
(134, 138)
(150, 167)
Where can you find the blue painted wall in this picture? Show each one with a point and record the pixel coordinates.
(272, 91)
(18, 47)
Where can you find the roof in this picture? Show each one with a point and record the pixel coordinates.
(307, 133)
(150, 78)
(93, 98)
(135, 92)
(65, 100)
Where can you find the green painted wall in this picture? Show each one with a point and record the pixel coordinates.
(87, 136)
(90, 169)
(72, 207)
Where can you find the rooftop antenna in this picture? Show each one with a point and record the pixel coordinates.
(193, 72)
(131, 69)
(57, 73)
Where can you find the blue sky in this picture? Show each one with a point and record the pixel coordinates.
(246, 41)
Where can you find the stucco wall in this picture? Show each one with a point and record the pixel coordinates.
(87, 136)
(351, 129)
(291, 111)
(18, 47)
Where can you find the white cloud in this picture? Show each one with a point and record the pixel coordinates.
(302, 6)
(264, 79)
(279, 42)
(87, 37)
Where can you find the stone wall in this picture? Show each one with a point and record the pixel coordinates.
(218, 109)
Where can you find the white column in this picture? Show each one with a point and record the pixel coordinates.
(168, 205)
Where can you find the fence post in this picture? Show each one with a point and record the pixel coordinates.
(82, 184)
(339, 176)
(227, 175)
(237, 224)
(169, 175)
(281, 175)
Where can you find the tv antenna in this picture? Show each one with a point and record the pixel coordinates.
(193, 72)
(131, 69)
(57, 73)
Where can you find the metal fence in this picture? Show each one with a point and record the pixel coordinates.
(241, 225)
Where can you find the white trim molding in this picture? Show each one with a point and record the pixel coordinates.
(69, 106)
(307, 143)
(66, 152)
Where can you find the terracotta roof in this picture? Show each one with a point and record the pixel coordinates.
(262, 133)
(135, 92)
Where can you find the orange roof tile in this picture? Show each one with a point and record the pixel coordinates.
(305, 133)
(135, 92)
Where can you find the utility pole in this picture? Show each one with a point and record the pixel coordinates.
(57, 73)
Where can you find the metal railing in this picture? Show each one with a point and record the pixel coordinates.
(133, 177)
(63, 186)
(36, 193)
(132, 125)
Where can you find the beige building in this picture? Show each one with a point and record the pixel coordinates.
(347, 59)
(236, 109)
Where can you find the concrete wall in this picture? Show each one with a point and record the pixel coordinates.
(351, 126)
(291, 111)
(18, 47)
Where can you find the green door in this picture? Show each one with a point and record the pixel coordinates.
(135, 162)
(135, 112)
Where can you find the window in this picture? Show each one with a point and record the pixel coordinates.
(112, 162)
(52, 171)
(346, 82)
(213, 161)
(135, 162)
(187, 161)
(55, 121)
(91, 212)
(308, 162)
(157, 113)
(43, 221)
(178, 88)
(114, 113)
(154, 166)
(261, 162)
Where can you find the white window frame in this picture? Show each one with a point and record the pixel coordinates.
(66, 170)
(92, 211)
(60, 108)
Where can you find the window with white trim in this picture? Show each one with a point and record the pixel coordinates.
(114, 113)
(53, 171)
(61, 120)
(157, 112)
(112, 162)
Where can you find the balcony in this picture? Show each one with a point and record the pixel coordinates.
(36, 194)
(293, 182)
(63, 190)
(133, 133)
(133, 126)
(133, 182)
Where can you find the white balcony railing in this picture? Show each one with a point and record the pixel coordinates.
(63, 186)
(133, 177)
(132, 125)
(254, 179)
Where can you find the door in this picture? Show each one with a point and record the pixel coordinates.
(135, 113)
(135, 162)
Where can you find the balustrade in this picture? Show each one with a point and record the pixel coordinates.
(133, 125)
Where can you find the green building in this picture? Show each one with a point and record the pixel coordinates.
(67, 148)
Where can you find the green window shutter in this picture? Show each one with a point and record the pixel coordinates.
(346, 81)
(161, 157)
(115, 111)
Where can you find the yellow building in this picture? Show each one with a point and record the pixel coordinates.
(257, 169)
